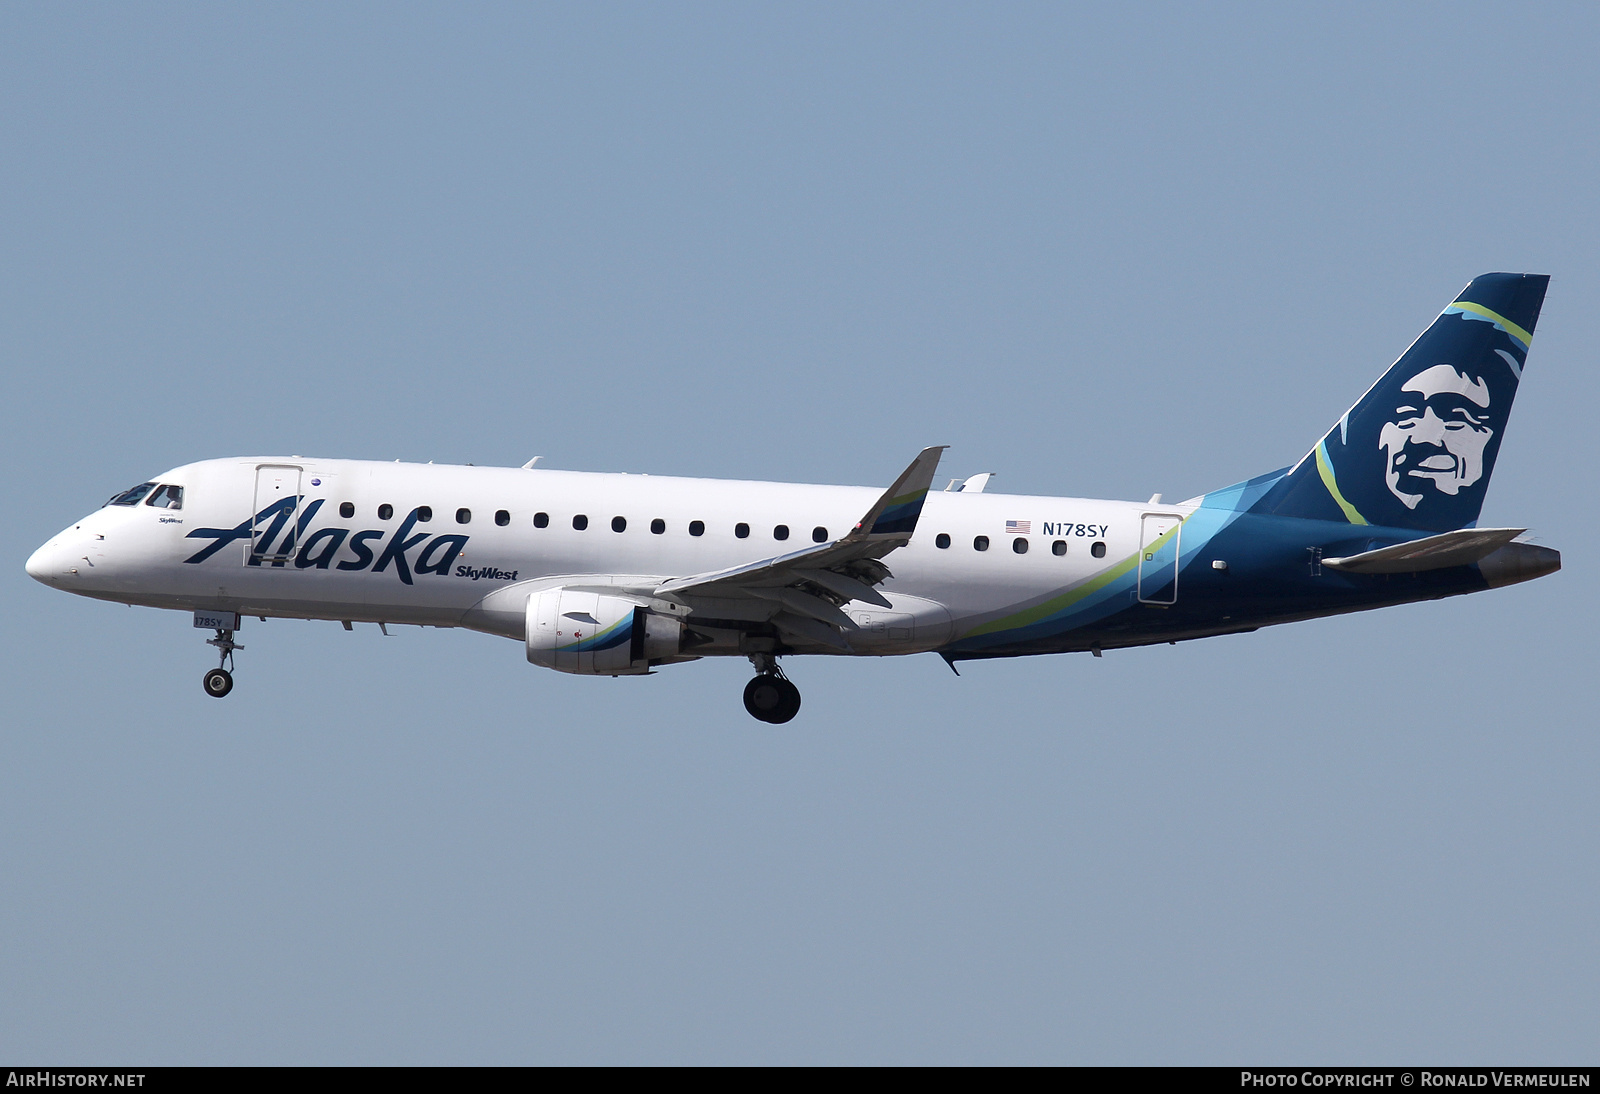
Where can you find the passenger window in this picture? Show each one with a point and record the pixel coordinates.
(1059, 547)
(347, 509)
(501, 517)
(697, 527)
(385, 511)
(980, 543)
(1099, 549)
(541, 520)
(819, 534)
(658, 526)
(741, 530)
(1020, 545)
(781, 532)
(463, 516)
(167, 497)
(580, 522)
(424, 513)
(131, 497)
(942, 540)
(619, 524)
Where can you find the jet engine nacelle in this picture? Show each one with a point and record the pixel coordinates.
(597, 635)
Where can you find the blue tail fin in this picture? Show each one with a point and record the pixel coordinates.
(1417, 450)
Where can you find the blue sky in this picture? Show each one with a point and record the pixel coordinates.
(1101, 251)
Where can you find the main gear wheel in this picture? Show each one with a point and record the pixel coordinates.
(772, 698)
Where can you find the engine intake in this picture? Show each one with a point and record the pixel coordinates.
(597, 635)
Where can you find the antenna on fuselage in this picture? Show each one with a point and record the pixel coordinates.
(531, 462)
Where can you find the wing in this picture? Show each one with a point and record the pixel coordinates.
(801, 593)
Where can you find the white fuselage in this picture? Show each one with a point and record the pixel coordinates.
(466, 569)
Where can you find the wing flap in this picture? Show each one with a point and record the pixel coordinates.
(810, 629)
(812, 606)
(749, 572)
(841, 585)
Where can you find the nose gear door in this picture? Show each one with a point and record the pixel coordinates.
(274, 534)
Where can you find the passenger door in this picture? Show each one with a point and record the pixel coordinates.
(1158, 558)
(274, 532)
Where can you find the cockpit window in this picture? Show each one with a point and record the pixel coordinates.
(132, 497)
(167, 497)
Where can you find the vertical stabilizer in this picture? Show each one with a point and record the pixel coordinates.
(1417, 450)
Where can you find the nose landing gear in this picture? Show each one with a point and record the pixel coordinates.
(770, 697)
(219, 681)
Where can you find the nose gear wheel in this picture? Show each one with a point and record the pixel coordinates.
(219, 681)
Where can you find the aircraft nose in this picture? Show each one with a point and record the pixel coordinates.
(50, 563)
(39, 562)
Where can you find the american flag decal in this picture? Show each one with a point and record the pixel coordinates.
(1019, 527)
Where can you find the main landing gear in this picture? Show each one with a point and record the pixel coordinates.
(219, 681)
(770, 697)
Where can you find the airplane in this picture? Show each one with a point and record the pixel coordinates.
(622, 574)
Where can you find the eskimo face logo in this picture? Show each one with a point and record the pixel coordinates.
(1434, 440)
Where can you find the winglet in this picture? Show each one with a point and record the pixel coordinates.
(896, 512)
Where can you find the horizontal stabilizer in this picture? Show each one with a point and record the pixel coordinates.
(1458, 548)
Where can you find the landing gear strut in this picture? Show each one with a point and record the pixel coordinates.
(770, 697)
(219, 681)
